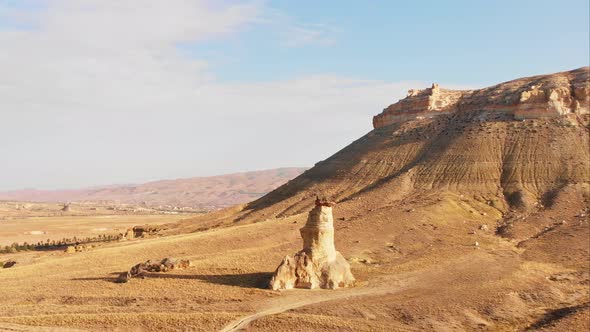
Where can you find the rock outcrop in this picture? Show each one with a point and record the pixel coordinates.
(144, 231)
(78, 248)
(318, 265)
(129, 234)
(165, 265)
(8, 264)
(544, 96)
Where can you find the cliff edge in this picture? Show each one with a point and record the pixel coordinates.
(543, 96)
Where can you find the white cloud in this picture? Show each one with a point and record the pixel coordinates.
(294, 33)
(299, 36)
(96, 92)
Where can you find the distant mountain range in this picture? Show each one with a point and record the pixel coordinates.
(198, 192)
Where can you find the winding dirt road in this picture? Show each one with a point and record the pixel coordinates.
(300, 298)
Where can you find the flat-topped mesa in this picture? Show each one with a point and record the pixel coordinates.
(543, 96)
(318, 265)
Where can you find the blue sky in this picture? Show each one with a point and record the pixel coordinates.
(462, 42)
(98, 92)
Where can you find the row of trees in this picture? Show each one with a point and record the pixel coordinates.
(58, 244)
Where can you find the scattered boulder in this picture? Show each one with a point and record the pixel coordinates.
(66, 207)
(318, 265)
(8, 264)
(165, 265)
(129, 234)
(78, 248)
(145, 230)
(484, 227)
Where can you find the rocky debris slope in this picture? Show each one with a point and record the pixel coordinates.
(318, 265)
(165, 265)
(544, 96)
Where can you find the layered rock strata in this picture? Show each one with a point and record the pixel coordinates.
(545, 96)
(318, 265)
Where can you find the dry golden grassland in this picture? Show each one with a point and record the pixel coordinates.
(416, 270)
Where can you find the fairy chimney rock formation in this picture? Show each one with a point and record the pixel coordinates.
(318, 265)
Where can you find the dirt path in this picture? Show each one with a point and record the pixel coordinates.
(301, 298)
(420, 279)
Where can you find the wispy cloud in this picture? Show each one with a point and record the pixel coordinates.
(293, 32)
(97, 92)
(316, 34)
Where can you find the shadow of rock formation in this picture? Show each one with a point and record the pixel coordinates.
(245, 280)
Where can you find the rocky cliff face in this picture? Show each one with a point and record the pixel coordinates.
(544, 96)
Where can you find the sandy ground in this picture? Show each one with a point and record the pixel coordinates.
(421, 272)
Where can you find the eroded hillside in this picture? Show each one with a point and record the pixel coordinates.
(477, 151)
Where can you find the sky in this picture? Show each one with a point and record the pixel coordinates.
(96, 92)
